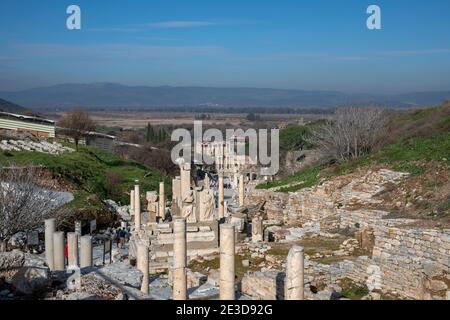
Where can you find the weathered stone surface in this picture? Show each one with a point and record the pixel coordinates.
(11, 260)
(268, 285)
(31, 280)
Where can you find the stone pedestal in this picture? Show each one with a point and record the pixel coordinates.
(50, 228)
(227, 266)
(59, 261)
(137, 208)
(294, 283)
(72, 248)
(221, 196)
(86, 252)
(241, 190)
(179, 260)
(162, 202)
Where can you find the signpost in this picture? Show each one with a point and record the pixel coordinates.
(107, 249)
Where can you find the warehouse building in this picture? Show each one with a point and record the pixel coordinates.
(38, 127)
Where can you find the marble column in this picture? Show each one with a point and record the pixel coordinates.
(185, 182)
(221, 195)
(86, 252)
(241, 190)
(140, 256)
(294, 283)
(50, 228)
(179, 260)
(132, 202)
(162, 202)
(59, 261)
(137, 207)
(227, 264)
(176, 195)
(145, 268)
(72, 248)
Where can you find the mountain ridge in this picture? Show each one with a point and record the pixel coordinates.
(114, 95)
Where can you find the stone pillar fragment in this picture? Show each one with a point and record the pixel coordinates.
(59, 259)
(162, 202)
(257, 229)
(227, 263)
(50, 228)
(221, 196)
(241, 190)
(137, 208)
(72, 248)
(179, 260)
(86, 252)
(294, 283)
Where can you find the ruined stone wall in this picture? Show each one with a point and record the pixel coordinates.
(406, 261)
(267, 285)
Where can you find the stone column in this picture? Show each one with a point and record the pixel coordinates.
(176, 195)
(145, 267)
(50, 228)
(294, 283)
(162, 202)
(140, 256)
(137, 207)
(257, 229)
(59, 261)
(221, 196)
(132, 202)
(72, 248)
(179, 260)
(241, 190)
(227, 266)
(185, 176)
(86, 252)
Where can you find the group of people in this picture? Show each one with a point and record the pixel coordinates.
(122, 236)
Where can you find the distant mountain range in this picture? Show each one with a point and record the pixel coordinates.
(7, 106)
(111, 95)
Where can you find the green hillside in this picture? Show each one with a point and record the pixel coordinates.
(413, 140)
(92, 172)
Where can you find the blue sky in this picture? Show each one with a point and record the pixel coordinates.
(312, 45)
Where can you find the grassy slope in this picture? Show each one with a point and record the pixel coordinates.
(86, 170)
(422, 135)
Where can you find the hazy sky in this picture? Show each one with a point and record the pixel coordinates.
(320, 45)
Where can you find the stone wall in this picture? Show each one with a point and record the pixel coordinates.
(410, 261)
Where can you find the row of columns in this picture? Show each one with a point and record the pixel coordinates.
(294, 283)
(55, 248)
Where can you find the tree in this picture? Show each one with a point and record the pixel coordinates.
(353, 132)
(23, 204)
(77, 123)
